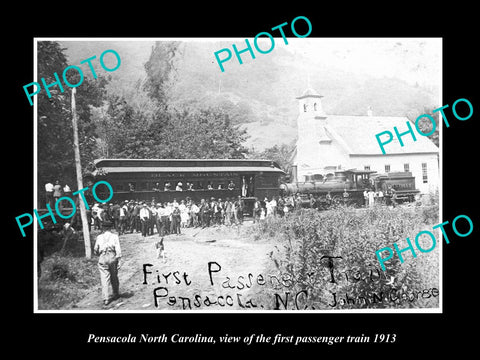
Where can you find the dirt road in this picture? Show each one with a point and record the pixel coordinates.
(183, 281)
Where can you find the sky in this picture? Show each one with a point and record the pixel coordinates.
(414, 60)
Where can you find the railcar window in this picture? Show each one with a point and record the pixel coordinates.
(179, 186)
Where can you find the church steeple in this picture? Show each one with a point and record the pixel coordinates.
(310, 102)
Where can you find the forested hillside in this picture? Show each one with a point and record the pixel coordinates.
(261, 92)
(170, 99)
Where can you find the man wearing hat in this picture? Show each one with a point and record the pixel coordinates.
(238, 207)
(205, 211)
(107, 246)
(213, 208)
(176, 219)
(220, 212)
(123, 217)
(144, 218)
(135, 223)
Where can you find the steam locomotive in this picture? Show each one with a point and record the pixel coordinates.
(146, 179)
(348, 186)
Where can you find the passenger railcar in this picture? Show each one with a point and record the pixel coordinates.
(163, 180)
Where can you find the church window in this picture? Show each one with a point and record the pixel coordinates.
(424, 173)
(304, 107)
(406, 167)
(387, 168)
(366, 167)
(315, 107)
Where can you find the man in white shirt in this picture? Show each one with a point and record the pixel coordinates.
(57, 190)
(123, 217)
(371, 198)
(194, 211)
(380, 197)
(49, 194)
(144, 217)
(365, 197)
(97, 216)
(273, 204)
(153, 218)
(107, 246)
(161, 219)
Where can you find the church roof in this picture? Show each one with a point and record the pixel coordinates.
(309, 93)
(357, 135)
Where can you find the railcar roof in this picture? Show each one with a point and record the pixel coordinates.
(187, 165)
(184, 160)
(173, 169)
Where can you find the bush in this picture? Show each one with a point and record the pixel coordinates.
(65, 280)
(309, 239)
(60, 271)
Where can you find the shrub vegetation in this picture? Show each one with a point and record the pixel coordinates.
(306, 238)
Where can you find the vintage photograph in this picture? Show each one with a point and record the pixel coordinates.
(164, 184)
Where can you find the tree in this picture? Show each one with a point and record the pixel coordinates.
(425, 125)
(55, 152)
(281, 154)
(205, 134)
(160, 69)
(55, 134)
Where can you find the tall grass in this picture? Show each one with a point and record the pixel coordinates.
(306, 238)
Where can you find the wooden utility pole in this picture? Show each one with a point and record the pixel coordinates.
(78, 166)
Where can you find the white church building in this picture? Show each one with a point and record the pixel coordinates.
(327, 143)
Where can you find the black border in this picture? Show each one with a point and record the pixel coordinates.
(416, 333)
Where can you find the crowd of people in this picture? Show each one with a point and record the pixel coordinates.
(372, 197)
(168, 217)
(55, 191)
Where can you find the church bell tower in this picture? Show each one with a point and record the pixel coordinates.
(314, 144)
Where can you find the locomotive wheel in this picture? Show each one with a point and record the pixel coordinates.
(336, 199)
